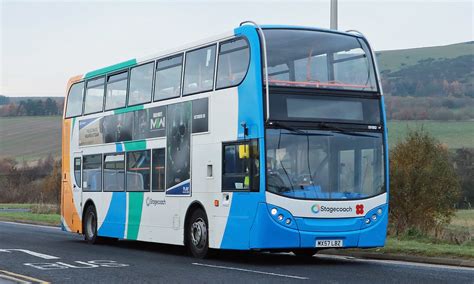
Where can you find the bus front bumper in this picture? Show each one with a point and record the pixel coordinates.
(269, 232)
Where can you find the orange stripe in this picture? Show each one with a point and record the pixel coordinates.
(68, 209)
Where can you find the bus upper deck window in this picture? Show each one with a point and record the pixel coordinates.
(141, 83)
(199, 70)
(233, 63)
(168, 78)
(94, 100)
(116, 91)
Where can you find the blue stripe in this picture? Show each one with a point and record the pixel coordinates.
(114, 222)
(385, 137)
(244, 205)
(118, 147)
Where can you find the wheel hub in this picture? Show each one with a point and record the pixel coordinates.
(199, 233)
(90, 226)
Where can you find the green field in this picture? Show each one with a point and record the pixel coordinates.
(393, 60)
(30, 138)
(455, 134)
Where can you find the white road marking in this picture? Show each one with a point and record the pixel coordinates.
(31, 225)
(33, 253)
(394, 262)
(251, 271)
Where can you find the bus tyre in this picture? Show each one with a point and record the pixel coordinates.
(198, 234)
(90, 225)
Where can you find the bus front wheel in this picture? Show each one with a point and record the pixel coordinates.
(90, 225)
(198, 234)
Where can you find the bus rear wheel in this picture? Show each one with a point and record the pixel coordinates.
(197, 238)
(90, 225)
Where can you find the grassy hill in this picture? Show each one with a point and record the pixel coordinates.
(394, 60)
(30, 138)
(455, 134)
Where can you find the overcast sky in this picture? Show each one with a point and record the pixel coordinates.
(42, 43)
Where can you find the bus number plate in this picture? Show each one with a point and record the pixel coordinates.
(329, 243)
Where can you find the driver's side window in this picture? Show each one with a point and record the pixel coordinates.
(240, 166)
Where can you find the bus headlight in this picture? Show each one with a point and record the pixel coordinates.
(280, 217)
(379, 211)
(367, 221)
(374, 217)
(288, 221)
(274, 211)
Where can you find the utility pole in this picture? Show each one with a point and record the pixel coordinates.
(333, 24)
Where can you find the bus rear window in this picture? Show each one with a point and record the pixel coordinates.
(74, 100)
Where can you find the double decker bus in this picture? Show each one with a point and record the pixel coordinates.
(267, 138)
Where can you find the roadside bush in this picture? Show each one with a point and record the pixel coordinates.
(38, 183)
(51, 185)
(463, 160)
(424, 186)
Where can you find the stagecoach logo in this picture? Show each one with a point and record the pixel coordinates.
(154, 202)
(316, 208)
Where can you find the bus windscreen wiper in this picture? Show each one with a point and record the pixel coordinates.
(297, 131)
(287, 127)
(326, 126)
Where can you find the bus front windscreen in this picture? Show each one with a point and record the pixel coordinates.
(330, 165)
(314, 59)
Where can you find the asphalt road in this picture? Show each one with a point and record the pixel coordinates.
(30, 252)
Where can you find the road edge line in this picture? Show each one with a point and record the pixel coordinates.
(406, 258)
(22, 277)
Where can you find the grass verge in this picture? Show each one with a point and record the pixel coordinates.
(16, 206)
(28, 217)
(44, 214)
(425, 247)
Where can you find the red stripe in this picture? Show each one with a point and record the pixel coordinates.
(317, 84)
